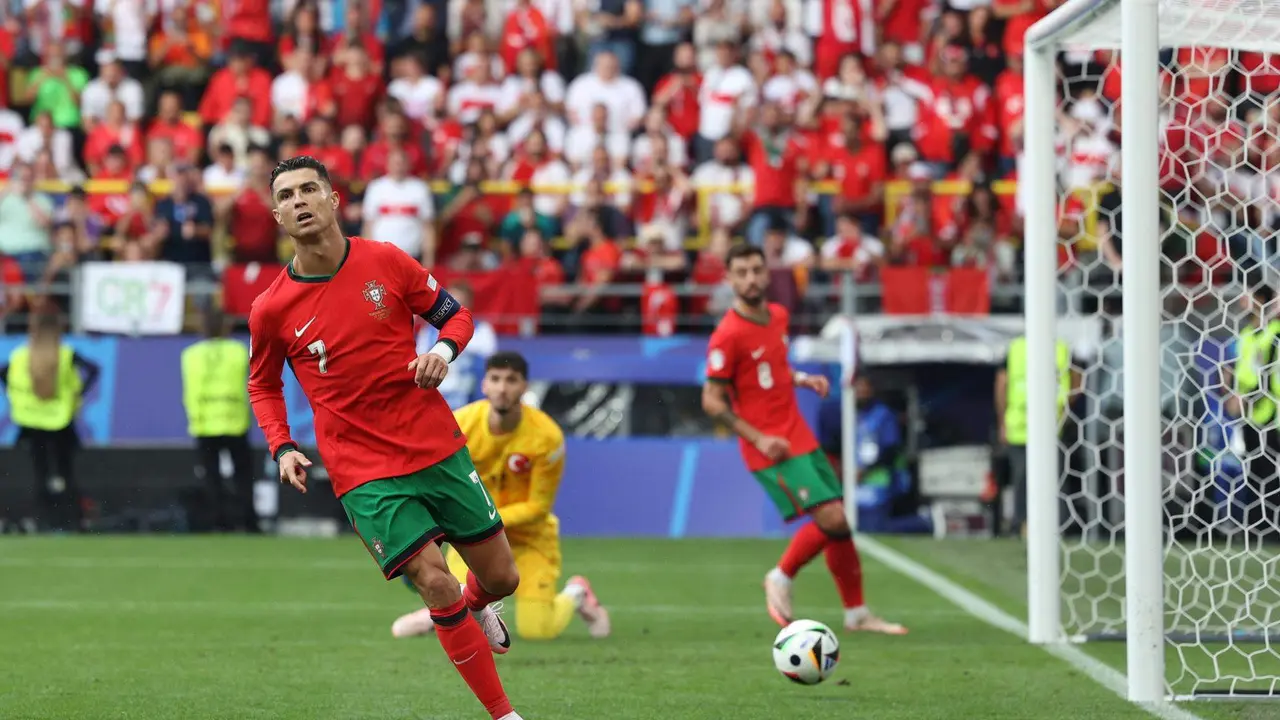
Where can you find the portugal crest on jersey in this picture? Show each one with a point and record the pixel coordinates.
(376, 293)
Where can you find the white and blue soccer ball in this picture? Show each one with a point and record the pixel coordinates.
(806, 651)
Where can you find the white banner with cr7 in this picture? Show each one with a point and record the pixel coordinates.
(141, 298)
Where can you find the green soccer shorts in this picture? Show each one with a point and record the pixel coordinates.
(799, 484)
(399, 516)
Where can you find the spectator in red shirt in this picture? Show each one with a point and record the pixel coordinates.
(322, 145)
(676, 94)
(247, 214)
(1010, 106)
(114, 130)
(960, 117)
(11, 283)
(526, 27)
(776, 155)
(597, 265)
(358, 35)
(302, 32)
(111, 205)
(187, 141)
(248, 25)
(358, 87)
(239, 79)
(861, 170)
(394, 131)
(535, 259)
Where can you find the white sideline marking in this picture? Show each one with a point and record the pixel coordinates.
(1098, 671)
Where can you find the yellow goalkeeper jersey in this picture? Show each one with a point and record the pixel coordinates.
(520, 469)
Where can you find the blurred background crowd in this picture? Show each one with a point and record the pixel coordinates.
(605, 152)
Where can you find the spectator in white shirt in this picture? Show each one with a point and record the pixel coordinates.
(538, 118)
(128, 21)
(112, 84)
(530, 82)
(728, 91)
(791, 85)
(399, 209)
(658, 142)
(583, 140)
(623, 95)
(421, 95)
(57, 141)
(290, 90)
(238, 131)
(782, 33)
(616, 179)
(478, 92)
(11, 127)
(160, 161)
(850, 250)
(784, 250)
(223, 174)
(728, 184)
(550, 176)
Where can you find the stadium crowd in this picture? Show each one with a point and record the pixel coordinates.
(582, 143)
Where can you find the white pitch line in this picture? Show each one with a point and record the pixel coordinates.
(1098, 671)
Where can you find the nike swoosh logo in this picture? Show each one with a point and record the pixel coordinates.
(754, 356)
(298, 332)
(464, 660)
(493, 513)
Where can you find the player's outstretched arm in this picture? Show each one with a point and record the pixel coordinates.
(715, 402)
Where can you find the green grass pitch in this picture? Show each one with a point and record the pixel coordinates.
(229, 627)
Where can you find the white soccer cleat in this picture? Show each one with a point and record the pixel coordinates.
(777, 597)
(414, 624)
(590, 610)
(864, 621)
(494, 628)
(511, 716)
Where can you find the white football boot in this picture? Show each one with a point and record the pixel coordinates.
(589, 608)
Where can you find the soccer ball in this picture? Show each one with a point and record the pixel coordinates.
(806, 651)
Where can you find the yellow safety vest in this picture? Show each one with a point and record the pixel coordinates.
(28, 410)
(215, 378)
(1015, 409)
(1253, 353)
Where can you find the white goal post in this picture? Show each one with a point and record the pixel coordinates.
(1112, 557)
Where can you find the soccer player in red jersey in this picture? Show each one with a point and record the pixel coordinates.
(751, 389)
(341, 315)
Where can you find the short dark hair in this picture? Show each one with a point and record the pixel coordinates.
(742, 251)
(301, 162)
(508, 360)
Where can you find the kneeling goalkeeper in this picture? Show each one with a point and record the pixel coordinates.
(518, 451)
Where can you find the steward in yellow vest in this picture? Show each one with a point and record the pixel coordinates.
(1255, 380)
(215, 378)
(45, 383)
(1011, 412)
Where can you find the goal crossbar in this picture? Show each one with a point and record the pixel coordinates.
(1252, 25)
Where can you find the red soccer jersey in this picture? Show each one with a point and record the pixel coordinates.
(777, 163)
(349, 340)
(752, 359)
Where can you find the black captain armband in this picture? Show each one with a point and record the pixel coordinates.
(445, 307)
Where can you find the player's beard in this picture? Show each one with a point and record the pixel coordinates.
(754, 297)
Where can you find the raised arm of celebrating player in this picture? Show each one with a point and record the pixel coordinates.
(721, 365)
(544, 483)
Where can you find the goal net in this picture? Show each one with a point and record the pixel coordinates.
(1218, 250)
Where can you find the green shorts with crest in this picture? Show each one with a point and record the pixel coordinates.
(799, 484)
(399, 516)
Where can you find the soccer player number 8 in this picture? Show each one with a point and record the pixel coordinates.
(763, 373)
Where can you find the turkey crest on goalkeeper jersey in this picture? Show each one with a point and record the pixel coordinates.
(348, 338)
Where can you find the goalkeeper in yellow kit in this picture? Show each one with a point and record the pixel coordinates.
(518, 451)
